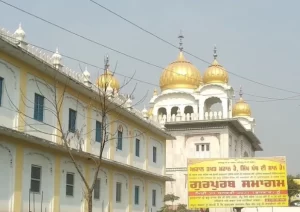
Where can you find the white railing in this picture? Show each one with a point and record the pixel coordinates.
(189, 117)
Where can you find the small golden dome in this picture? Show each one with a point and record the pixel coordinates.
(215, 73)
(108, 80)
(241, 108)
(180, 74)
(150, 112)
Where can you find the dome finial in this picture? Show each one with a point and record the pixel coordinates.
(106, 63)
(241, 92)
(215, 52)
(180, 41)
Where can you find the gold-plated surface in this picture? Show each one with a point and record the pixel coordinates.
(180, 74)
(150, 112)
(215, 73)
(108, 80)
(241, 108)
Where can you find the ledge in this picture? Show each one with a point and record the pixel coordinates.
(84, 155)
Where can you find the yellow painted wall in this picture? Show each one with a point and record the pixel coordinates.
(27, 69)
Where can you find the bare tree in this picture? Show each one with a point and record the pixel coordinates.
(105, 101)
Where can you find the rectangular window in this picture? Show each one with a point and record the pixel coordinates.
(72, 120)
(154, 154)
(38, 107)
(70, 184)
(1, 89)
(97, 189)
(98, 131)
(136, 195)
(35, 183)
(197, 147)
(137, 147)
(153, 198)
(207, 147)
(118, 192)
(120, 140)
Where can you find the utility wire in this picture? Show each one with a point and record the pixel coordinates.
(193, 55)
(125, 54)
(270, 99)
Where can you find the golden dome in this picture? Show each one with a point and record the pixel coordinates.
(180, 74)
(241, 108)
(215, 73)
(108, 80)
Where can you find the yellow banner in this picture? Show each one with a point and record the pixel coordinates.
(238, 182)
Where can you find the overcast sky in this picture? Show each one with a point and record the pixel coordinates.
(256, 39)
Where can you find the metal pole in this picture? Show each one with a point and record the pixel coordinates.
(29, 202)
(42, 201)
(33, 202)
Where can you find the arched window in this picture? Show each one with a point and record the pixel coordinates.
(246, 155)
(162, 111)
(174, 110)
(188, 109)
(213, 108)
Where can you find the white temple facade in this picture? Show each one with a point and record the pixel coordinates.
(200, 111)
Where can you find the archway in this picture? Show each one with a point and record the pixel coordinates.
(188, 112)
(162, 113)
(213, 108)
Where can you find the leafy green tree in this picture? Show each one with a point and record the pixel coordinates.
(293, 187)
(172, 198)
(181, 208)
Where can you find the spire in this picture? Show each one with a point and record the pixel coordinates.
(106, 63)
(180, 41)
(241, 92)
(215, 52)
(19, 33)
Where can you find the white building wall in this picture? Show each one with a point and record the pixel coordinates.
(137, 181)
(45, 161)
(158, 166)
(70, 203)
(123, 205)
(122, 155)
(184, 147)
(10, 95)
(7, 167)
(45, 129)
(139, 161)
(74, 103)
(101, 204)
(159, 195)
(95, 146)
(169, 101)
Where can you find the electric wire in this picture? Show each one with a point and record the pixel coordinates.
(193, 55)
(125, 54)
(270, 99)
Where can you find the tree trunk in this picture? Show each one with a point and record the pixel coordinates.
(90, 201)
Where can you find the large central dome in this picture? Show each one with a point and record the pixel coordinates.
(180, 74)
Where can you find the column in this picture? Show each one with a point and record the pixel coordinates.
(110, 190)
(19, 161)
(57, 177)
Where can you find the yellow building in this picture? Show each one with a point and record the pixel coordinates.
(38, 173)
